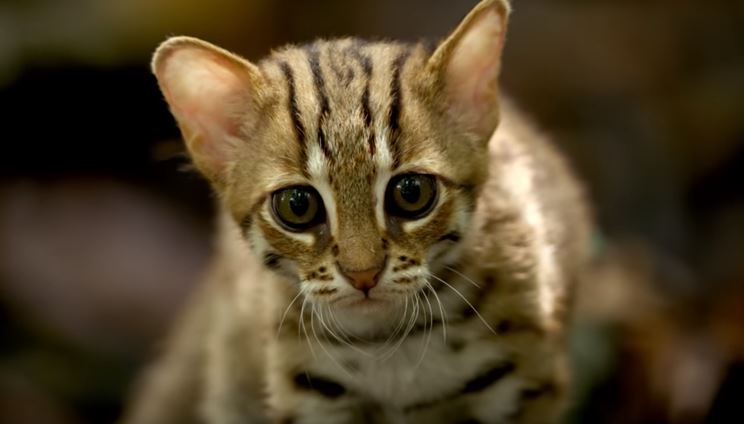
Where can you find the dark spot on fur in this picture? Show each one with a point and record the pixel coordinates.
(533, 393)
(322, 269)
(385, 244)
(335, 250)
(323, 386)
(457, 345)
(271, 260)
(312, 276)
(286, 420)
(454, 237)
(489, 377)
(504, 326)
(403, 258)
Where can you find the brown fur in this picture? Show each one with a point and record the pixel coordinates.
(502, 246)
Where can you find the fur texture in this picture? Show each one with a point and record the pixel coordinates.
(466, 316)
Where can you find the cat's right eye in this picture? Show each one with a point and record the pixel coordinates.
(298, 208)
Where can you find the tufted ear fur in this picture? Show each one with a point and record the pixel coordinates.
(466, 67)
(214, 96)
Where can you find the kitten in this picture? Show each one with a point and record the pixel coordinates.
(384, 255)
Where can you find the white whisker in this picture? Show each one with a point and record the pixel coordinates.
(457, 292)
(286, 311)
(411, 326)
(322, 346)
(397, 330)
(303, 328)
(336, 336)
(428, 333)
(468, 279)
(441, 311)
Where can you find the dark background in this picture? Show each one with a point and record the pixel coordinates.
(103, 230)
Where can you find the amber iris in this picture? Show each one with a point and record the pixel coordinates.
(411, 196)
(298, 208)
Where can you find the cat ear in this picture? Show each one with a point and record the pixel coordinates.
(213, 95)
(466, 67)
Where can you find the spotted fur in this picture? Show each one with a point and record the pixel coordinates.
(468, 320)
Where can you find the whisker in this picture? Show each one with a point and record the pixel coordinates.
(322, 346)
(457, 292)
(303, 327)
(286, 311)
(334, 335)
(428, 333)
(397, 330)
(468, 279)
(441, 311)
(411, 326)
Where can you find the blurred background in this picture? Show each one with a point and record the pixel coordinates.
(103, 233)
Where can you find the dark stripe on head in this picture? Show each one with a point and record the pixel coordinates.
(325, 387)
(396, 105)
(489, 377)
(294, 109)
(325, 109)
(366, 63)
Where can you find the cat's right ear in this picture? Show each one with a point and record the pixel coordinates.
(213, 95)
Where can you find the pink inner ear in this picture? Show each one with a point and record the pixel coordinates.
(204, 91)
(203, 88)
(475, 66)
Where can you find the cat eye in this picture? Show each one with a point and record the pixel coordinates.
(298, 208)
(411, 196)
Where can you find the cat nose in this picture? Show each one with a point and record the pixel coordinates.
(364, 280)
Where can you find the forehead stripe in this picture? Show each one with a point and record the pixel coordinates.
(319, 82)
(294, 110)
(395, 106)
(366, 65)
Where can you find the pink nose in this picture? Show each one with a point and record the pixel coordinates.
(364, 280)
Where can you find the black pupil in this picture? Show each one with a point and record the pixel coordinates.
(410, 189)
(299, 202)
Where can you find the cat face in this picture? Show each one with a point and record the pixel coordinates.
(351, 167)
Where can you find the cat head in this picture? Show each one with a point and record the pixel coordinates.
(352, 167)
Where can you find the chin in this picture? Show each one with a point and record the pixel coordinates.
(372, 316)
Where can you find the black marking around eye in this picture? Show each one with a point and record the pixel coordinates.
(271, 260)
(325, 109)
(489, 377)
(323, 386)
(396, 106)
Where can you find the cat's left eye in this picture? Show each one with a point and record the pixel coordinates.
(411, 196)
(298, 208)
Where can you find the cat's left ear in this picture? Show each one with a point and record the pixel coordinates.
(466, 67)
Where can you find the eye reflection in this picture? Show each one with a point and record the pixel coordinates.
(298, 208)
(411, 196)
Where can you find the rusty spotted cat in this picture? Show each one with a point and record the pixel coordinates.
(386, 254)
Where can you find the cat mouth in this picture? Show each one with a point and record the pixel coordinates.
(369, 302)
